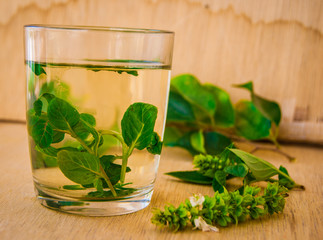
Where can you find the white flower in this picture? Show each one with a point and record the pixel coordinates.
(201, 224)
(197, 200)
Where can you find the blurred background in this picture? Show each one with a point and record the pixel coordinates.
(276, 44)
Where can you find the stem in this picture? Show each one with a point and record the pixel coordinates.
(123, 168)
(107, 179)
(126, 152)
(73, 134)
(104, 175)
(289, 157)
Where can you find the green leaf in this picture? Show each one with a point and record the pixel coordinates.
(260, 169)
(217, 186)
(31, 120)
(80, 167)
(36, 68)
(111, 169)
(138, 124)
(38, 105)
(249, 122)
(81, 130)
(224, 114)
(270, 109)
(197, 141)
(191, 176)
(42, 133)
(133, 72)
(247, 85)
(49, 151)
(219, 181)
(98, 184)
(192, 91)
(58, 136)
(88, 118)
(62, 115)
(239, 170)
(283, 180)
(179, 109)
(215, 143)
(155, 145)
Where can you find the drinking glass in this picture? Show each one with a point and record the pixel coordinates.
(96, 109)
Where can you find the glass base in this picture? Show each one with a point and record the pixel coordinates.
(97, 208)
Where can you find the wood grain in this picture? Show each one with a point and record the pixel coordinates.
(22, 217)
(277, 44)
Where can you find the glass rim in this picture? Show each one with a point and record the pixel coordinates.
(99, 28)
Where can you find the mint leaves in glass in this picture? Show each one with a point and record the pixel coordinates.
(96, 116)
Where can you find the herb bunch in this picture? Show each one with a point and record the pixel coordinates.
(234, 163)
(222, 209)
(202, 119)
(51, 118)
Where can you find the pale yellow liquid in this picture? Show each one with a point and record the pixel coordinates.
(106, 94)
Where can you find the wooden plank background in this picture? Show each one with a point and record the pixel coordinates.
(277, 44)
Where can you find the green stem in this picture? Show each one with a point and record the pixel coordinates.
(107, 179)
(126, 152)
(123, 168)
(104, 175)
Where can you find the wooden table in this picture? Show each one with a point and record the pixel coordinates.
(22, 217)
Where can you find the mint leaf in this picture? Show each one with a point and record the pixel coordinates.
(80, 167)
(217, 187)
(38, 105)
(88, 118)
(283, 180)
(155, 145)
(239, 170)
(191, 176)
(179, 109)
(58, 136)
(36, 68)
(138, 124)
(247, 85)
(250, 123)
(221, 177)
(98, 184)
(260, 169)
(62, 115)
(192, 91)
(215, 143)
(133, 72)
(49, 151)
(224, 114)
(270, 109)
(219, 181)
(42, 133)
(197, 141)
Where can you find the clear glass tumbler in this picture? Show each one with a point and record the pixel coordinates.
(96, 109)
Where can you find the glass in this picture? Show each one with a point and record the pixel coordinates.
(96, 110)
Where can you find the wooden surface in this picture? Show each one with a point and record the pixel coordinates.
(22, 217)
(277, 44)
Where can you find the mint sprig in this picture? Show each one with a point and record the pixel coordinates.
(200, 114)
(83, 162)
(215, 170)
